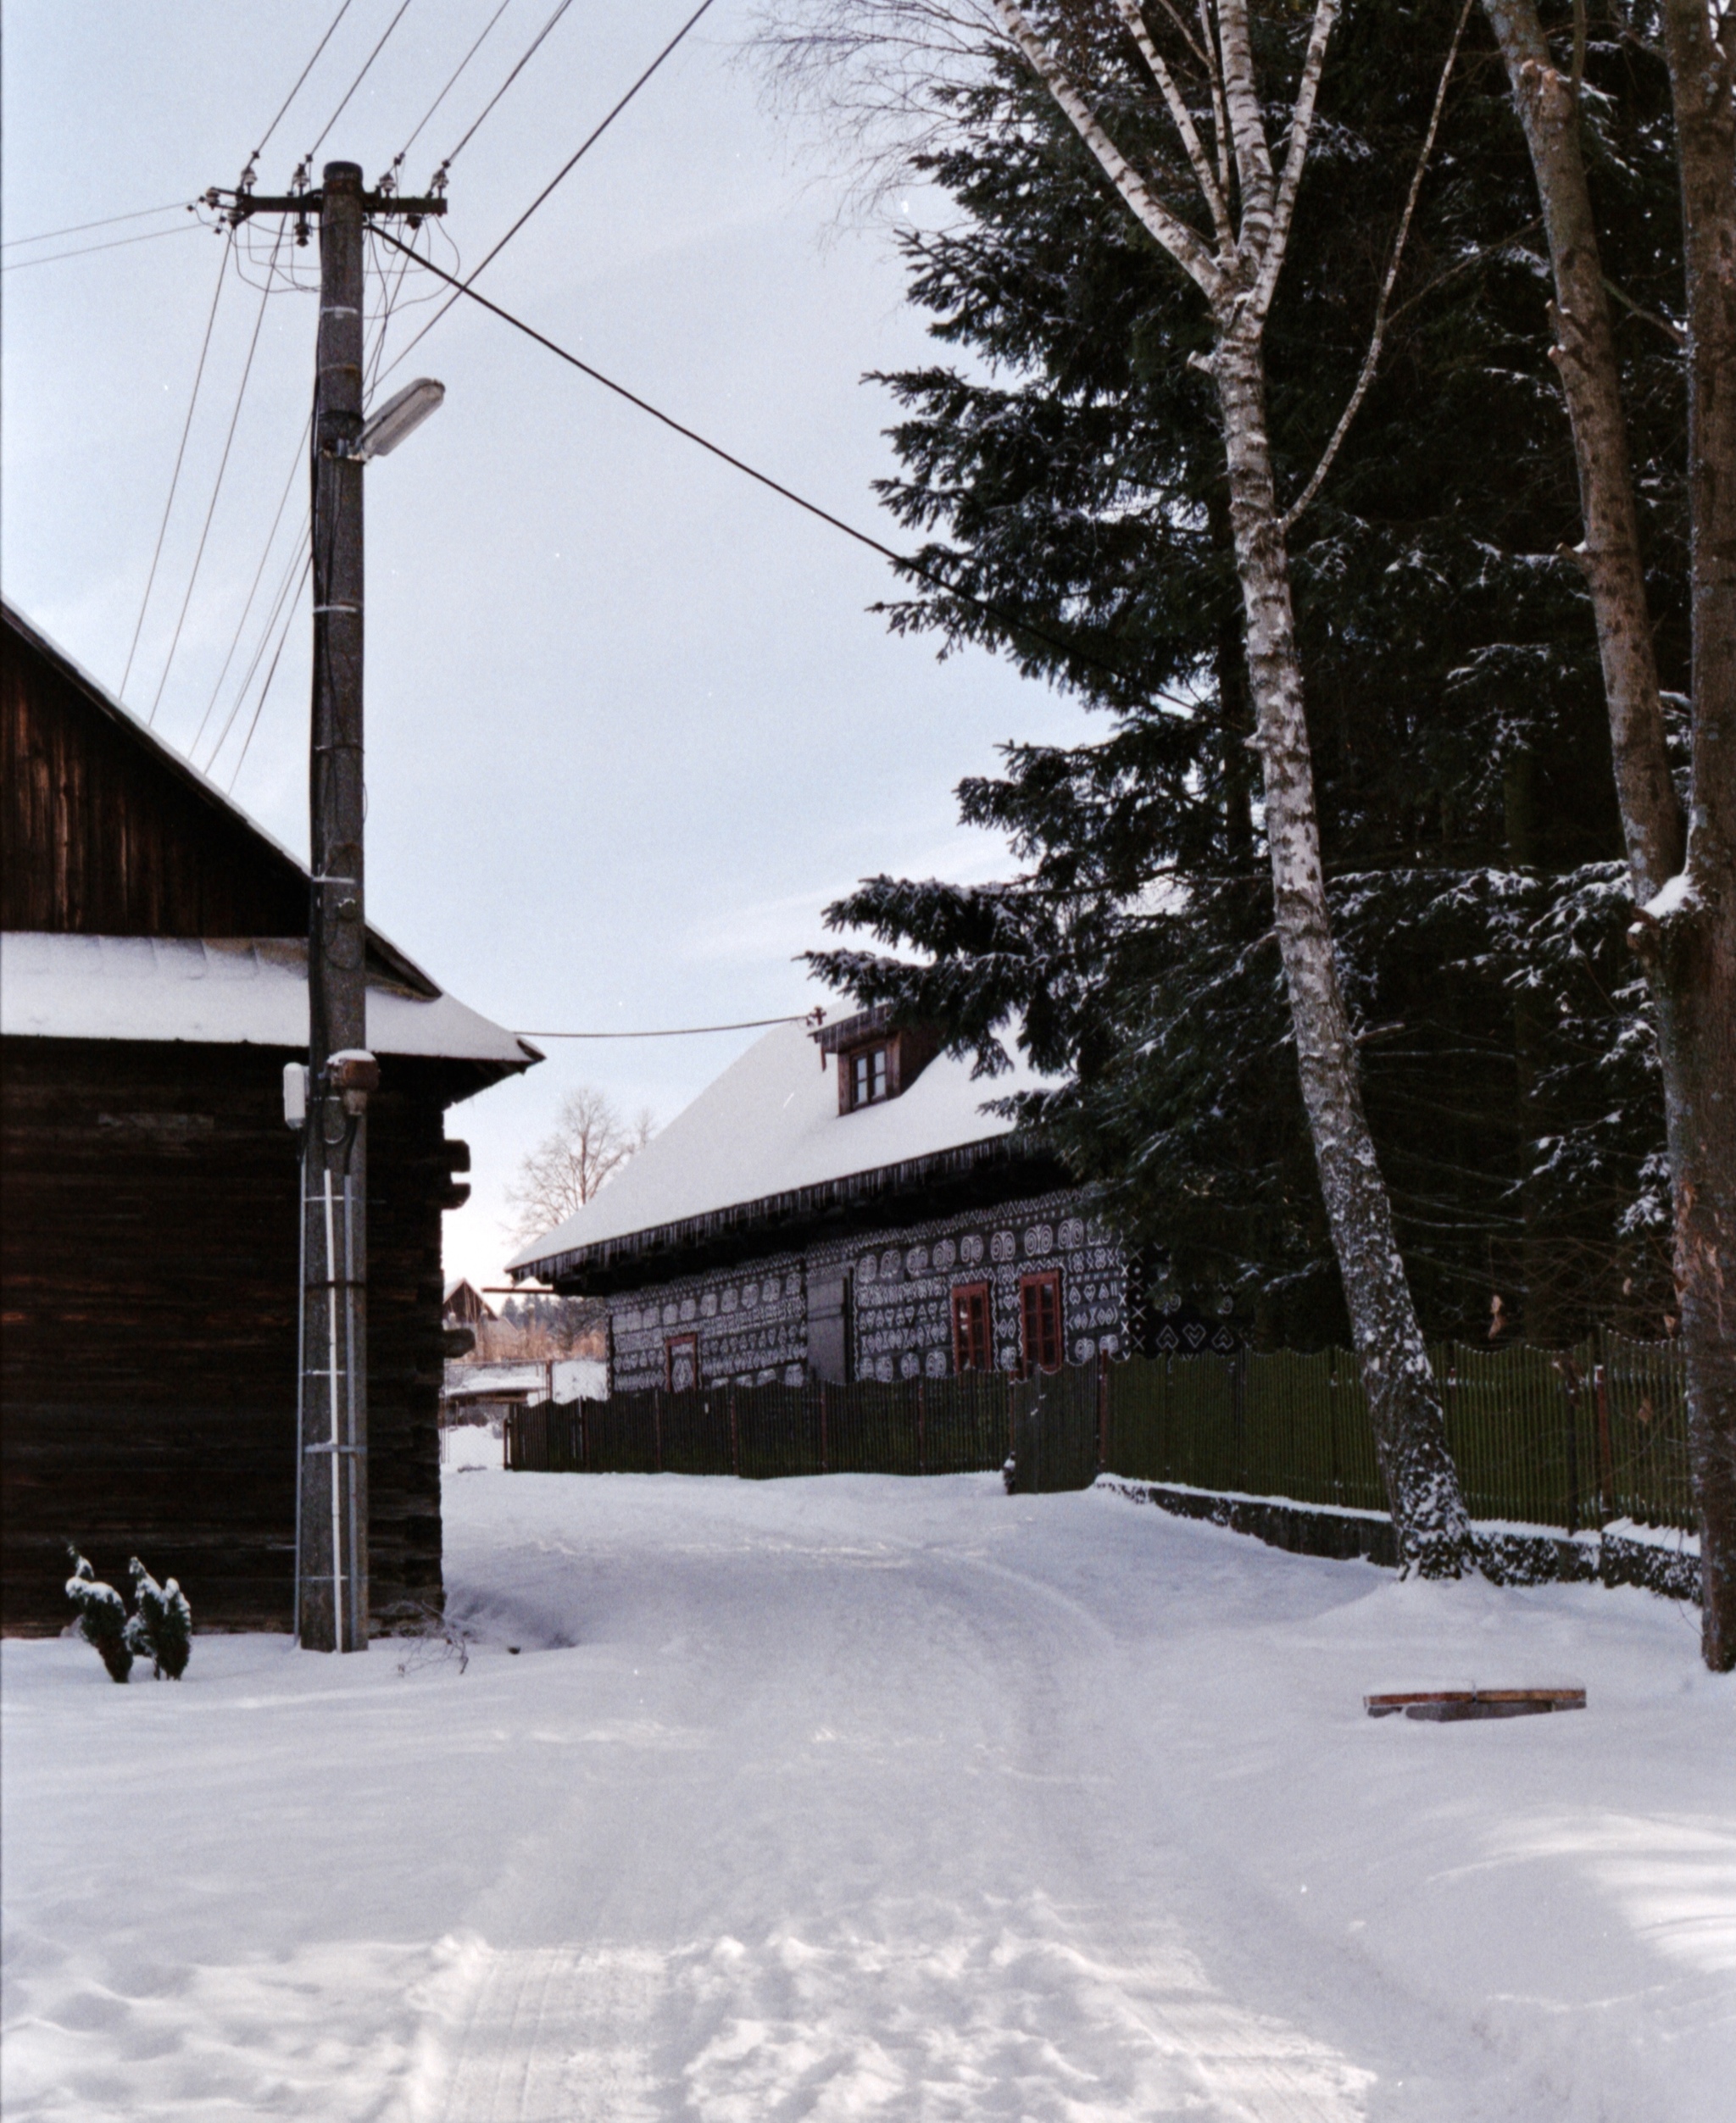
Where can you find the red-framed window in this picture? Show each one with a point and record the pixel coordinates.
(973, 1322)
(1040, 1321)
(681, 1363)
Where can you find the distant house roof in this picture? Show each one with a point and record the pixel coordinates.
(464, 1302)
(142, 903)
(764, 1151)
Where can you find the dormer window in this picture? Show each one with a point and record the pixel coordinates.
(876, 1060)
(869, 1075)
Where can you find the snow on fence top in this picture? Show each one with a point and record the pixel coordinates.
(229, 992)
(769, 1127)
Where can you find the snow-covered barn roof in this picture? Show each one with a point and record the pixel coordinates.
(200, 975)
(239, 992)
(764, 1147)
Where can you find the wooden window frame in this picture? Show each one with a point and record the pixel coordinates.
(879, 1081)
(961, 1293)
(1029, 1285)
(907, 1053)
(671, 1343)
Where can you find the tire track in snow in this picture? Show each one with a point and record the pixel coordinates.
(953, 1726)
(550, 2034)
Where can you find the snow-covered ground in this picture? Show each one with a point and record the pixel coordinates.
(861, 1798)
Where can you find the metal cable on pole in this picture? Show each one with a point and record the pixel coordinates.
(906, 563)
(366, 63)
(265, 137)
(108, 221)
(530, 54)
(573, 162)
(174, 476)
(90, 250)
(681, 1031)
(264, 690)
(451, 84)
(293, 569)
(253, 592)
(217, 488)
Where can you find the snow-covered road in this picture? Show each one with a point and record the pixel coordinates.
(862, 1797)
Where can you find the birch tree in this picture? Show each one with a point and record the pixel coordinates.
(1230, 241)
(1682, 868)
(588, 1143)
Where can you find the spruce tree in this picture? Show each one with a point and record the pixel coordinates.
(161, 1627)
(102, 1617)
(1070, 475)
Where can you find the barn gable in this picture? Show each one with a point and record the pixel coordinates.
(153, 984)
(105, 830)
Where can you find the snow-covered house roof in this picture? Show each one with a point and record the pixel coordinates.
(765, 1150)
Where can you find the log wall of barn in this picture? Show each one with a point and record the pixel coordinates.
(101, 834)
(148, 1361)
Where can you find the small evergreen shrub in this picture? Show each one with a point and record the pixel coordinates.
(162, 1628)
(102, 1617)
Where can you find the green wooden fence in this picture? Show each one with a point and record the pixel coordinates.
(1564, 1438)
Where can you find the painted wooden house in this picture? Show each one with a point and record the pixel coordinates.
(837, 1205)
(153, 985)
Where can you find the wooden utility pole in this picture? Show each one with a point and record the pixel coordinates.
(331, 1497)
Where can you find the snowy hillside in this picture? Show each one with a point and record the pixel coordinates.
(869, 1798)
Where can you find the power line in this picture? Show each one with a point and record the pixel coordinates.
(180, 453)
(583, 149)
(265, 691)
(679, 1031)
(389, 290)
(500, 91)
(108, 221)
(217, 488)
(359, 78)
(447, 90)
(325, 40)
(902, 561)
(117, 243)
(253, 592)
(287, 581)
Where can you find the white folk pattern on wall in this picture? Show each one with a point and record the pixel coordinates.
(903, 1299)
(751, 1322)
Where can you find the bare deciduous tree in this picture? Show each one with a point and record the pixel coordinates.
(1230, 238)
(588, 1142)
(1683, 870)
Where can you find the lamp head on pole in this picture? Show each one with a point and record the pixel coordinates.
(383, 431)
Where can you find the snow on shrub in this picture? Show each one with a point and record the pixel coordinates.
(102, 1617)
(161, 1629)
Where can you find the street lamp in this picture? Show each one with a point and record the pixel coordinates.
(382, 432)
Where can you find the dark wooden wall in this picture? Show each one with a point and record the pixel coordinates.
(149, 1276)
(103, 833)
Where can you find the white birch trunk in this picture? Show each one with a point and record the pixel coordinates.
(1238, 281)
(1410, 1435)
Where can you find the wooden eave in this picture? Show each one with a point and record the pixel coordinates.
(974, 1174)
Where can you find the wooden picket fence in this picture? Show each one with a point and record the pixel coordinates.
(1563, 1438)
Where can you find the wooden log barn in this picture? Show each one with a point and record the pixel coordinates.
(152, 986)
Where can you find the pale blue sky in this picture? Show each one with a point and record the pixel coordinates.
(630, 724)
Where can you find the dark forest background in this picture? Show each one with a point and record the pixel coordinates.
(1062, 461)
